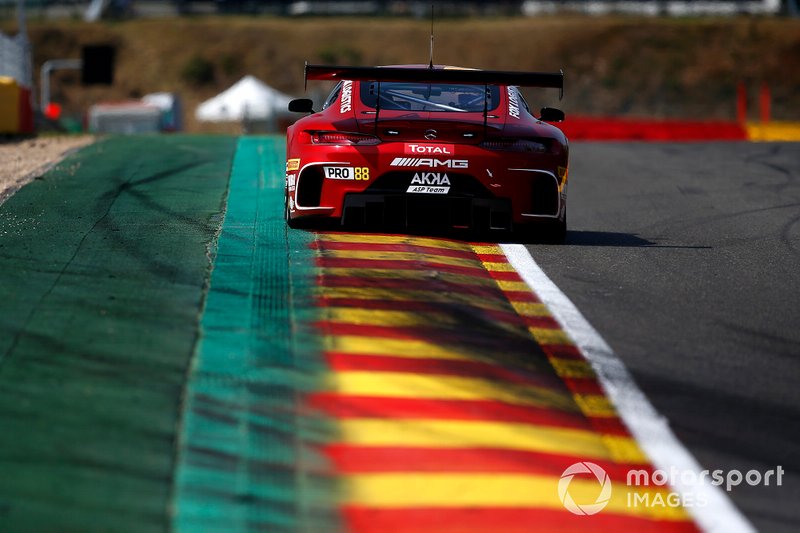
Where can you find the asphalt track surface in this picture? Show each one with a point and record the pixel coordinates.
(685, 256)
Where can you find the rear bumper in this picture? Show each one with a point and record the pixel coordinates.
(487, 189)
(427, 212)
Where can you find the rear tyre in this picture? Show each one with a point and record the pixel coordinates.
(545, 232)
(292, 223)
(306, 223)
(554, 232)
(286, 211)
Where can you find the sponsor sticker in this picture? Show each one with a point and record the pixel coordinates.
(513, 102)
(292, 164)
(429, 149)
(346, 102)
(430, 178)
(427, 189)
(429, 162)
(347, 173)
(429, 183)
(563, 172)
(339, 173)
(290, 180)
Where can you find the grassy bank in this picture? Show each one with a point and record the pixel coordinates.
(685, 68)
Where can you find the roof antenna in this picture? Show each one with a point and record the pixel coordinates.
(431, 64)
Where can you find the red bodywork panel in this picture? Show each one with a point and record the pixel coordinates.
(408, 162)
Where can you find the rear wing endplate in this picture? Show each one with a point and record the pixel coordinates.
(554, 80)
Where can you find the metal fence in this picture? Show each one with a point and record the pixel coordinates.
(489, 7)
(674, 8)
(93, 9)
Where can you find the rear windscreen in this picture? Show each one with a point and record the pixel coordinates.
(444, 97)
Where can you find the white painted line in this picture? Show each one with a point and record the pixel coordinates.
(648, 427)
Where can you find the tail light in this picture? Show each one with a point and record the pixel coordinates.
(539, 146)
(343, 138)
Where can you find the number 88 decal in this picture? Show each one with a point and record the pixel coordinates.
(361, 173)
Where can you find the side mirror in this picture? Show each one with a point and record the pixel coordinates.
(551, 114)
(301, 105)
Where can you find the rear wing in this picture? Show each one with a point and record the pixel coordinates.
(554, 80)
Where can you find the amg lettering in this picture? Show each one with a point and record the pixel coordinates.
(430, 163)
(430, 178)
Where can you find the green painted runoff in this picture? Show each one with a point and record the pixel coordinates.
(247, 460)
(104, 263)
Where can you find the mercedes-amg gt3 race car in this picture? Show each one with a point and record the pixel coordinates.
(428, 148)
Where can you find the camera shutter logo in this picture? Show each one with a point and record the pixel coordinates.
(602, 498)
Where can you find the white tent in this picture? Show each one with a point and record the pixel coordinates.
(249, 99)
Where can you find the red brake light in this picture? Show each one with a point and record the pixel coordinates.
(516, 145)
(343, 138)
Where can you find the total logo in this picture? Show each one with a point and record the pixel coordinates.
(430, 178)
(428, 149)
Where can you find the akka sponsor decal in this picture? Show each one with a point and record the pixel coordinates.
(430, 178)
(346, 103)
(429, 183)
(513, 102)
(429, 162)
(429, 149)
(347, 173)
(292, 164)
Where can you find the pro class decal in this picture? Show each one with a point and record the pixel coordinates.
(429, 183)
(292, 164)
(429, 162)
(347, 173)
(346, 103)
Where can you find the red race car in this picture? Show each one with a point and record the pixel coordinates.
(428, 147)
